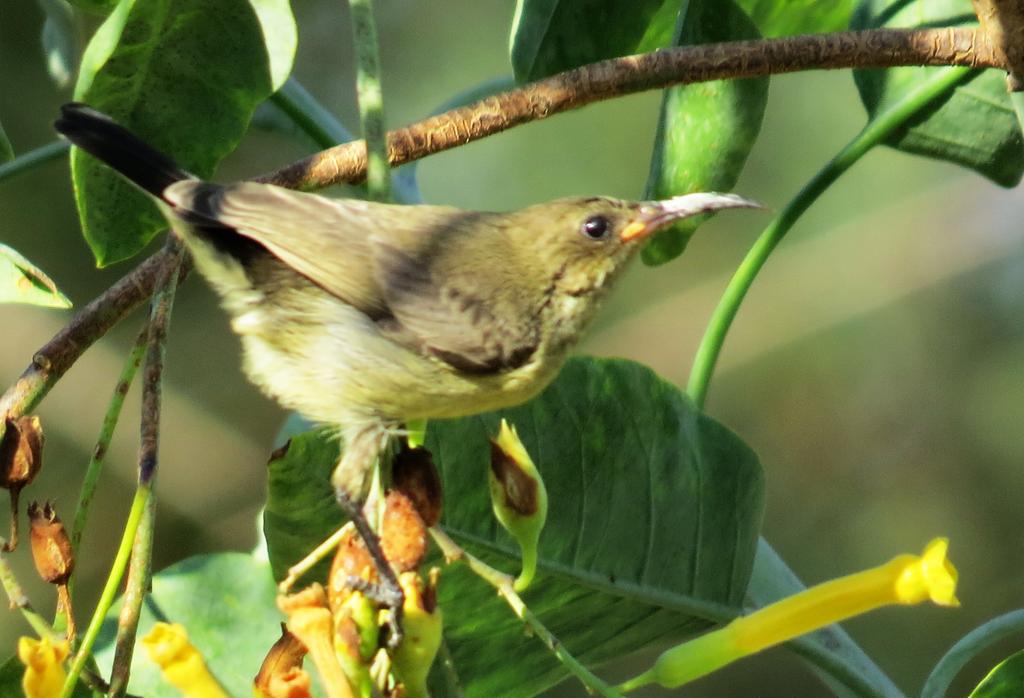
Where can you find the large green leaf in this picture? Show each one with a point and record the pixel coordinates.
(705, 130)
(1006, 680)
(23, 282)
(186, 76)
(974, 126)
(549, 36)
(774, 18)
(227, 604)
(652, 525)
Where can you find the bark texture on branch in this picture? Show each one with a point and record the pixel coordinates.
(876, 48)
(1002, 22)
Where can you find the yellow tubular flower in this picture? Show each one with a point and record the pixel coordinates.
(180, 663)
(906, 579)
(44, 671)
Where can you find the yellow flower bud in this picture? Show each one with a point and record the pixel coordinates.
(906, 579)
(44, 671)
(518, 497)
(180, 662)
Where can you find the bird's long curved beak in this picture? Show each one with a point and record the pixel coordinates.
(658, 214)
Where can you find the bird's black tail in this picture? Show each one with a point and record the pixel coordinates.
(105, 139)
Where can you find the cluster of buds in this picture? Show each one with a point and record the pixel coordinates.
(21, 457)
(342, 626)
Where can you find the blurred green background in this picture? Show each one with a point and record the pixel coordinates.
(877, 367)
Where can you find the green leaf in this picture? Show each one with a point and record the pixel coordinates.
(774, 18)
(974, 126)
(967, 648)
(6, 151)
(652, 526)
(1004, 681)
(549, 36)
(705, 130)
(301, 509)
(23, 282)
(11, 672)
(186, 76)
(226, 602)
(60, 41)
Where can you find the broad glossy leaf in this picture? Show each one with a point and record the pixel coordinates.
(23, 282)
(186, 76)
(774, 18)
(226, 602)
(549, 36)
(654, 511)
(974, 126)
(301, 509)
(705, 130)
(1006, 680)
(60, 41)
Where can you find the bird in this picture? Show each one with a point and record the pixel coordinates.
(365, 315)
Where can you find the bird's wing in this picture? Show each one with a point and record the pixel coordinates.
(474, 320)
(325, 240)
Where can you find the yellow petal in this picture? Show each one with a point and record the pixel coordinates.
(44, 671)
(180, 663)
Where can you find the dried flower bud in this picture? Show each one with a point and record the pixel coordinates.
(51, 548)
(281, 674)
(414, 474)
(403, 534)
(21, 452)
(351, 560)
(518, 497)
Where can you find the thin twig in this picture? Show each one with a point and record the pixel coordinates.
(85, 327)
(502, 582)
(20, 601)
(140, 567)
(99, 451)
(874, 48)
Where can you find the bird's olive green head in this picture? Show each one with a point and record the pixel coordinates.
(583, 243)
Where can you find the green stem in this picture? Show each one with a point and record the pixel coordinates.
(39, 156)
(371, 100)
(503, 584)
(110, 590)
(309, 115)
(99, 452)
(140, 567)
(967, 648)
(875, 132)
(20, 601)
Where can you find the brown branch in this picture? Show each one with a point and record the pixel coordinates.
(86, 326)
(572, 89)
(877, 48)
(1002, 21)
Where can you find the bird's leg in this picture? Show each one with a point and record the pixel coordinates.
(362, 450)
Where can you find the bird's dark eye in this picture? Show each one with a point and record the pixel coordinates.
(596, 227)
